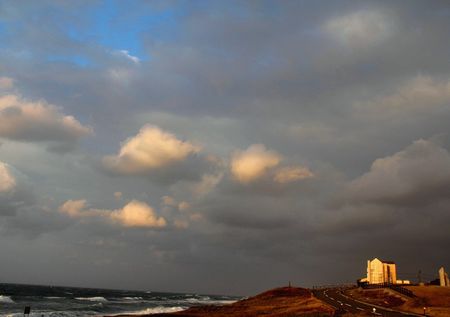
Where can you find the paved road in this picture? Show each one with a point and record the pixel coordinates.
(335, 298)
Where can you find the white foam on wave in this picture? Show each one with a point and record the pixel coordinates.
(132, 298)
(156, 310)
(208, 301)
(6, 299)
(93, 299)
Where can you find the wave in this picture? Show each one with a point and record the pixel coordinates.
(224, 302)
(6, 299)
(209, 301)
(156, 310)
(93, 299)
(132, 298)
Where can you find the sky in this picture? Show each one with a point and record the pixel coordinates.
(222, 147)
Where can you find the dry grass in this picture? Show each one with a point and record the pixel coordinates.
(380, 297)
(435, 298)
(433, 295)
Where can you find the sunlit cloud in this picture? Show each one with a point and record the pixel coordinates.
(138, 214)
(183, 206)
(133, 214)
(253, 163)
(152, 148)
(292, 174)
(7, 180)
(25, 120)
(169, 201)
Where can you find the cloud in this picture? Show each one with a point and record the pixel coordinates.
(183, 206)
(421, 93)
(7, 180)
(24, 120)
(419, 174)
(151, 149)
(257, 162)
(292, 174)
(253, 163)
(138, 214)
(15, 194)
(134, 214)
(360, 28)
(6, 83)
(127, 55)
(76, 208)
(261, 78)
(169, 201)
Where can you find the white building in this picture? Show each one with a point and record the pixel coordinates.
(443, 277)
(381, 272)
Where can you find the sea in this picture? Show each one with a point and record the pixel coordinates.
(57, 301)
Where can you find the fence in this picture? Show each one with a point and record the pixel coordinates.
(394, 287)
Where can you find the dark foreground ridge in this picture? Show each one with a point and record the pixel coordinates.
(279, 302)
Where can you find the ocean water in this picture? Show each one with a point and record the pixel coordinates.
(53, 301)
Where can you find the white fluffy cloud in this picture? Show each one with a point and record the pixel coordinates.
(7, 180)
(25, 120)
(152, 148)
(127, 55)
(256, 162)
(253, 163)
(134, 214)
(420, 171)
(360, 28)
(292, 174)
(138, 214)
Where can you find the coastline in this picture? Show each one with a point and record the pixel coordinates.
(279, 302)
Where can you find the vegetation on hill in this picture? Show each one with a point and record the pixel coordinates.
(279, 302)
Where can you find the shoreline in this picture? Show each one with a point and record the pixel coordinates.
(283, 301)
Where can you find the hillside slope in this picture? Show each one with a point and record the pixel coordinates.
(279, 302)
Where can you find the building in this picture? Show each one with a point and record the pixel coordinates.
(443, 277)
(381, 272)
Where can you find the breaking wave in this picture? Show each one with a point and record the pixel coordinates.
(132, 298)
(157, 310)
(6, 299)
(93, 299)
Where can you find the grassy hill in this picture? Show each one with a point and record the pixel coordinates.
(279, 302)
(435, 298)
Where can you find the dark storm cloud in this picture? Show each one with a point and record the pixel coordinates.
(416, 176)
